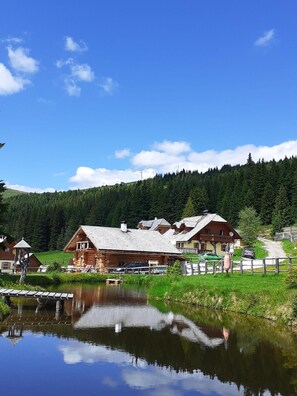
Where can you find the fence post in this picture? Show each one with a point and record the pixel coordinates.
(205, 267)
(192, 268)
(264, 266)
(252, 266)
(199, 272)
(277, 266)
(231, 266)
(241, 267)
(214, 267)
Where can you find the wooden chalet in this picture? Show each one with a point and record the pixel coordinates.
(199, 234)
(160, 225)
(7, 257)
(102, 248)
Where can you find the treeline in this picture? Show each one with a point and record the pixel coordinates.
(47, 221)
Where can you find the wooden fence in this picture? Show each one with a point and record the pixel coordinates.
(264, 266)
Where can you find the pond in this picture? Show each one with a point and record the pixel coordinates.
(111, 341)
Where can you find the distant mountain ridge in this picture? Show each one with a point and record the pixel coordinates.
(9, 192)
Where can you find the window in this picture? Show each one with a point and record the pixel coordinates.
(5, 265)
(179, 244)
(82, 245)
(221, 232)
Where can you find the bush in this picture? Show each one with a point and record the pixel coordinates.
(174, 269)
(291, 278)
(54, 267)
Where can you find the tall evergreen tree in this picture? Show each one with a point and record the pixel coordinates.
(282, 215)
(199, 199)
(267, 204)
(189, 209)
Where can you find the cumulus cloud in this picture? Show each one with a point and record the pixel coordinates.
(86, 177)
(71, 87)
(108, 85)
(265, 39)
(82, 72)
(173, 147)
(21, 61)
(122, 153)
(10, 84)
(76, 73)
(73, 46)
(175, 156)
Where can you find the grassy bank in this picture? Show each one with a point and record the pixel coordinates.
(263, 296)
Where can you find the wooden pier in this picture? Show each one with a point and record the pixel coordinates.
(113, 281)
(42, 297)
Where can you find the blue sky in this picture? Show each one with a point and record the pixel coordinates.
(98, 92)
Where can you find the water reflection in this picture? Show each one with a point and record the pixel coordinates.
(113, 341)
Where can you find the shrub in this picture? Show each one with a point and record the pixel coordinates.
(54, 267)
(174, 269)
(291, 278)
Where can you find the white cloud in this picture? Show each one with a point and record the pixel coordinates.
(146, 164)
(71, 87)
(173, 147)
(82, 72)
(29, 189)
(60, 63)
(122, 153)
(73, 46)
(12, 40)
(86, 177)
(108, 85)
(21, 61)
(265, 39)
(10, 84)
(76, 73)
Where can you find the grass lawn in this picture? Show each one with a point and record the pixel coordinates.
(264, 296)
(54, 257)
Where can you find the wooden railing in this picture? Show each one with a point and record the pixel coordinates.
(264, 266)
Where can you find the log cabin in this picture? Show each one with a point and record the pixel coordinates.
(104, 248)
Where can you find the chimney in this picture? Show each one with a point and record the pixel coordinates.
(124, 226)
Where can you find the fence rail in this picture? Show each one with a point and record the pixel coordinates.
(267, 265)
(289, 235)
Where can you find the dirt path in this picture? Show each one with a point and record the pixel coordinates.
(273, 248)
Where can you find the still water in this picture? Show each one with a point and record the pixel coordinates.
(111, 341)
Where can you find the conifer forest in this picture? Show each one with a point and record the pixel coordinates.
(48, 220)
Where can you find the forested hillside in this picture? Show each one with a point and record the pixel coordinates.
(47, 221)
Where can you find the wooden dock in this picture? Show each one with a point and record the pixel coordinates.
(113, 281)
(35, 294)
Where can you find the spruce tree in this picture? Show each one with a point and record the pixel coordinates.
(189, 209)
(282, 216)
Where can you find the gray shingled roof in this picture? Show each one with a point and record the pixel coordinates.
(197, 223)
(153, 224)
(108, 238)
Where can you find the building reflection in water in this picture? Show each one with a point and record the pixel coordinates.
(115, 324)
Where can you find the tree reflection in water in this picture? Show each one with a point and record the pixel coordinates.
(169, 346)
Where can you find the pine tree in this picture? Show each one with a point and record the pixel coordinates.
(282, 216)
(267, 204)
(189, 209)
